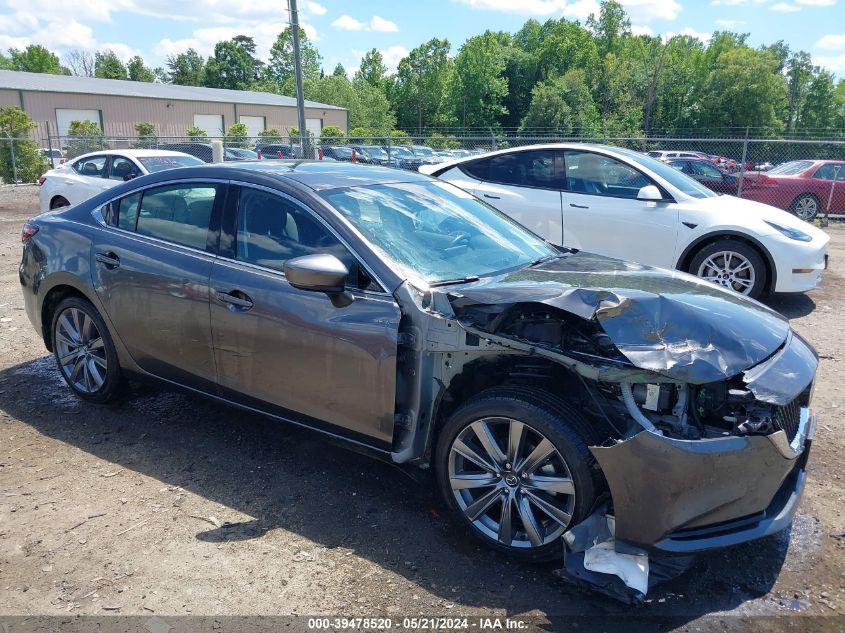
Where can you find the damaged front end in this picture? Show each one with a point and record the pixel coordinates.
(700, 397)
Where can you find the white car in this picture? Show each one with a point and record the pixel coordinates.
(624, 204)
(80, 178)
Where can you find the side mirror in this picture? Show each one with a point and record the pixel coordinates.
(650, 193)
(320, 273)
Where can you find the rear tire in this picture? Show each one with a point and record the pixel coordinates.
(58, 202)
(806, 206)
(732, 264)
(517, 497)
(85, 352)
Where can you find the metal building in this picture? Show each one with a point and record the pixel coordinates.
(53, 101)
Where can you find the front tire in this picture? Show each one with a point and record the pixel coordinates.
(806, 206)
(85, 353)
(514, 465)
(732, 264)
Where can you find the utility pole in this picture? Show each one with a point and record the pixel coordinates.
(297, 71)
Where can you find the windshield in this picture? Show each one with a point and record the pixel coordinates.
(159, 163)
(373, 151)
(669, 173)
(346, 152)
(424, 151)
(791, 168)
(436, 231)
(404, 152)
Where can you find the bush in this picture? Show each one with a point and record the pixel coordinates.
(83, 137)
(147, 138)
(400, 137)
(438, 141)
(237, 136)
(196, 134)
(270, 136)
(333, 134)
(29, 161)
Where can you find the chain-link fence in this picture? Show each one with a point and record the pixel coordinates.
(804, 176)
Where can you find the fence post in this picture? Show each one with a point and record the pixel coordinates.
(493, 145)
(388, 151)
(14, 162)
(742, 165)
(50, 146)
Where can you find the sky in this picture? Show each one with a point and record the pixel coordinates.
(343, 30)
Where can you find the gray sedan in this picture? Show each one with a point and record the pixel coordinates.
(549, 389)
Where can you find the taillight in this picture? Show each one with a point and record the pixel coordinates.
(28, 231)
(41, 180)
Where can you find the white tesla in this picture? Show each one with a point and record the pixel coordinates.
(621, 203)
(80, 178)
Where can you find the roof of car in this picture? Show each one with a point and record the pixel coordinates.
(320, 175)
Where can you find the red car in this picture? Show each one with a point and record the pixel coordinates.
(804, 187)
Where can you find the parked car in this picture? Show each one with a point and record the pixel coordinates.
(708, 174)
(55, 156)
(426, 154)
(402, 157)
(625, 204)
(205, 153)
(89, 174)
(278, 150)
(667, 154)
(804, 187)
(543, 386)
(239, 153)
(341, 153)
(372, 154)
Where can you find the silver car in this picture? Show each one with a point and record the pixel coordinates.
(548, 389)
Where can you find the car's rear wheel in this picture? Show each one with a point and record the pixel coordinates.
(514, 465)
(806, 206)
(732, 264)
(58, 202)
(85, 352)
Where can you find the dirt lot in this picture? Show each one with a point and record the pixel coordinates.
(168, 504)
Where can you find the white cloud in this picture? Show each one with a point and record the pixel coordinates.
(124, 52)
(727, 3)
(641, 30)
(645, 10)
(638, 10)
(376, 23)
(203, 40)
(785, 7)
(834, 63)
(817, 3)
(56, 35)
(582, 9)
(691, 32)
(523, 7)
(393, 55)
(314, 8)
(729, 24)
(832, 42)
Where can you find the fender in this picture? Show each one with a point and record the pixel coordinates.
(683, 260)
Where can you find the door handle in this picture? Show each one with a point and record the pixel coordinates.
(243, 301)
(578, 206)
(487, 195)
(109, 260)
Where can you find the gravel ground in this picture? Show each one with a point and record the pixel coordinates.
(169, 504)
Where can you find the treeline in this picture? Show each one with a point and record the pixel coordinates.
(556, 77)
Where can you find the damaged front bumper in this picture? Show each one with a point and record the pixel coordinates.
(687, 496)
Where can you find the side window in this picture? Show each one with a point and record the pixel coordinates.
(829, 171)
(121, 167)
(272, 230)
(93, 166)
(602, 175)
(177, 213)
(478, 169)
(542, 169)
(705, 169)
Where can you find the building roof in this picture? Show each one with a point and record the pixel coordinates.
(42, 82)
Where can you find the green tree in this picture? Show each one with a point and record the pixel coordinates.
(820, 110)
(83, 137)
(232, 66)
(107, 65)
(419, 94)
(368, 107)
(566, 45)
(186, 69)
(478, 87)
(339, 70)
(564, 105)
(280, 67)
(799, 74)
(196, 134)
(372, 69)
(138, 71)
(237, 136)
(36, 59)
(609, 27)
(439, 141)
(6, 63)
(333, 134)
(29, 162)
(146, 135)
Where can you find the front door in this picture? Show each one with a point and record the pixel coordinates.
(151, 268)
(601, 213)
(291, 351)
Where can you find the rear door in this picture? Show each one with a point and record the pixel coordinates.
(526, 185)
(291, 351)
(601, 213)
(151, 270)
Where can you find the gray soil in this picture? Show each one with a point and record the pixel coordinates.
(170, 504)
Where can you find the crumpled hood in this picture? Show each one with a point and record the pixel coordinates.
(660, 320)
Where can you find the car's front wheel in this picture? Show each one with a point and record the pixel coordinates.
(732, 264)
(514, 465)
(85, 352)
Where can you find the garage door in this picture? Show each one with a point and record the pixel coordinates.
(65, 116)
(315, 126)
(211, 123)
(254, 125)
